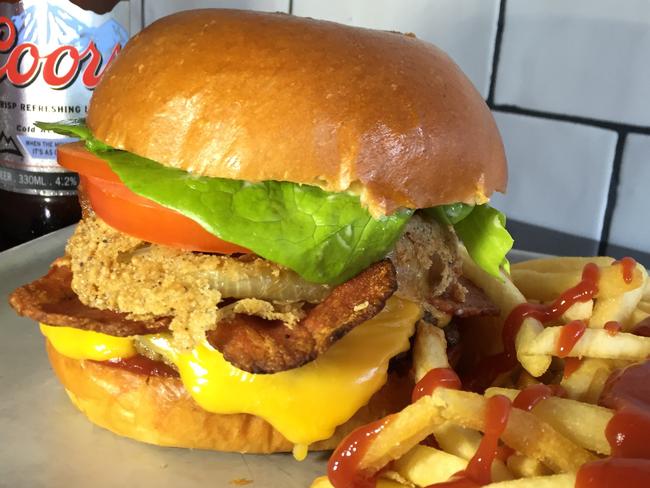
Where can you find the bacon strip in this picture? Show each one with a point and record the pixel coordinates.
(250, 343)
(50, 300)
(259, 346)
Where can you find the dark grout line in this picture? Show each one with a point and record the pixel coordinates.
(290, 7)
(603, 124)
(142, 14)
(612, 193)
(497, 51)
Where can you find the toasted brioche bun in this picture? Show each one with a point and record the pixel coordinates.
(258, 96)
(159, 410)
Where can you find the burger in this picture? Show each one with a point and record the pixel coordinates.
(270, 206)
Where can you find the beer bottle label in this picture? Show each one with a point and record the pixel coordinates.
(52, 55)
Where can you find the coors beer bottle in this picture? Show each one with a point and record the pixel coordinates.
(52, 55)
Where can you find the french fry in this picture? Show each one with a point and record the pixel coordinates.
(587, 381)
(619, 308)
(405, 429)
(554, 481)
(457, 440)
(644, 305)
(546, 286)
(595, 343)
(560, 264)
(463, 443)
(579, 311)
(503, 293)
(612, 284)
(392, 475)
(525, 432)
(425, 465)
(597, 385)
(638, 315)
(542, 286)
(525, 467)
(535, 364)
(582, 423)
(323, 482)
(429, 349)
(506, 296)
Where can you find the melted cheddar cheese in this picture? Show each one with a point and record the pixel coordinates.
(305, 404)
(86, 344)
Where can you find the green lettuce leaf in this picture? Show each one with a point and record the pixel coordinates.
(325, 237)
(450, 214)
(484, 233)
(75, 128)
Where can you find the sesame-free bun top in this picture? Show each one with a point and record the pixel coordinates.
(257, 96)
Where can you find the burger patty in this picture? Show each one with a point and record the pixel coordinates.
(471, 303)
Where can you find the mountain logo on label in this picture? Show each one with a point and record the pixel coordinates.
(8, 145)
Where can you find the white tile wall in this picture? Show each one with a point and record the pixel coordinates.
(154, 9)
(631, 224)
(465, 29)
(559, 173)
(581, 57)
(135, 21)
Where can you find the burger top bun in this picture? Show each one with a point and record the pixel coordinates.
(258, 96)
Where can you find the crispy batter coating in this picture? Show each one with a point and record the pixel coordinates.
(260, 346)
(113, 271)
(251, 343)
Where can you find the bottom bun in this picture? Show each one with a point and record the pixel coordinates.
(158, 410)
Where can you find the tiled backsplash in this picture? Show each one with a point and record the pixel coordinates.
(569, 83)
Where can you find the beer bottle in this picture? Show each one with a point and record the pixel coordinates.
(52, 54)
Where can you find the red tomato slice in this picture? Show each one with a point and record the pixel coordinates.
(76, 157)
(135, 215)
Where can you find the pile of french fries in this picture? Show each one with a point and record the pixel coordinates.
(558, 435)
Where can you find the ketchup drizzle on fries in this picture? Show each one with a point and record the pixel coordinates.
(606, 473)
(612, 327)
(628, 265)
(343, 467)
(571, 365)
(627, 432)
(527, 398)
(479, 468)
(492, 366)
(569, 337)
(445, 377)
(628, 392)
